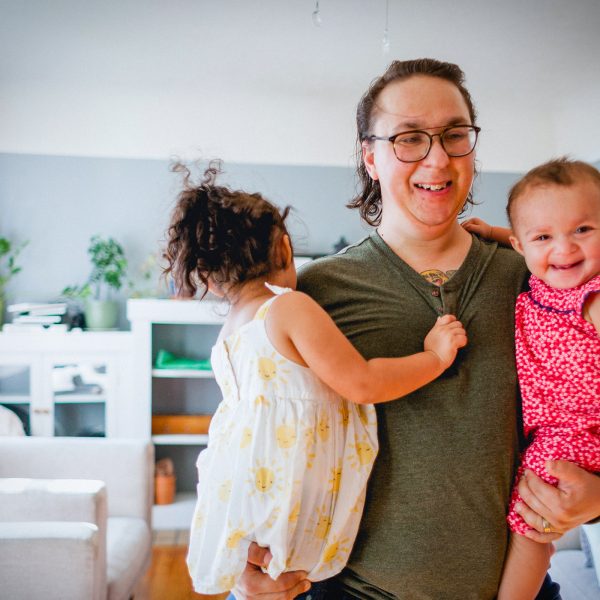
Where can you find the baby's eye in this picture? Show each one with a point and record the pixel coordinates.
(583, 229)
(542, 238)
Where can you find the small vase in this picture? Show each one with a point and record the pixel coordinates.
(101, 314)
(164, 489)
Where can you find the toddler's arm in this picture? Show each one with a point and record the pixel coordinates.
(487, 231)
(323, 347)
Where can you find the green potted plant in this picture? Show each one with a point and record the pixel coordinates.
(109, 266)
(8, 268)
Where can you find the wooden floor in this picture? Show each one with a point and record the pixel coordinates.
(168, 578)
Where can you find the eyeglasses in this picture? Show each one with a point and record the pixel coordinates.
(415, 145)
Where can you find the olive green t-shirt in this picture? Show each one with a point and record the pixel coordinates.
(434, 521)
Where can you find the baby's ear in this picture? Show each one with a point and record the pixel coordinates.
(516, 244)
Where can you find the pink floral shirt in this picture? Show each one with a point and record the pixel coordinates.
(558, 359)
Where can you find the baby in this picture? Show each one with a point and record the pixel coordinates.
(554, 211)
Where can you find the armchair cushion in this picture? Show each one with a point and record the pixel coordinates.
(125, 466)
(50, 560)
(129, 544)
(103, 484)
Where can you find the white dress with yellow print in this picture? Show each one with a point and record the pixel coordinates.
(286, 466)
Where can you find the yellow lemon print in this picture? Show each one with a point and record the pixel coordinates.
(224, 491)
(227, 582)
(286, 436)
(267, 369)
(246, 437)
(323, 427)
(336, 478)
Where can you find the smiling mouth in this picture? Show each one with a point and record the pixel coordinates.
(433, 187)
(565, 267)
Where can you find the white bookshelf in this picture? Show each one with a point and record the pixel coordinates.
(184, 328)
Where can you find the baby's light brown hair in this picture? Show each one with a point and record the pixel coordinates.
(561, 171)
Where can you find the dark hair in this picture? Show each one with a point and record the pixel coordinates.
(227, 236)
(368, 200)
(559, 171)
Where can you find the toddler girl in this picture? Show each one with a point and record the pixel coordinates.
(292, 444)
(554, 212)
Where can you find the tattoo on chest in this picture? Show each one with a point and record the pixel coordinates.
(436, 276)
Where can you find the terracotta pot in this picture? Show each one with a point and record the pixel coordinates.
(164, 489)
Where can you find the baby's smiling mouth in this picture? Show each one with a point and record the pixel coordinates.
(566, 267)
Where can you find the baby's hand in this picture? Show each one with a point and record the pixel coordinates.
(478, 226)
(445, 338)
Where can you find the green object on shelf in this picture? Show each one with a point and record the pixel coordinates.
(167, 360)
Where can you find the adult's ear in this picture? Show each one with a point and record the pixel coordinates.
(368, 157)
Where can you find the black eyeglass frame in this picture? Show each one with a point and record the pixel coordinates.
(392, 139)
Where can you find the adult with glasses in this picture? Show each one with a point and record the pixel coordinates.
(434, 521)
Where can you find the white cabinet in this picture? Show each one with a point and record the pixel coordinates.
(184, 328)
(69, 384)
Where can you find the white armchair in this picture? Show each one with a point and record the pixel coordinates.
(74, 517)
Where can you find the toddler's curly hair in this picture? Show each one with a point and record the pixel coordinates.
(226, 236)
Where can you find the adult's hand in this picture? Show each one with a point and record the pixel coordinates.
(253, 583)
(574, 501)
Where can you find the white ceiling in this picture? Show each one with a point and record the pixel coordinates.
(242, 77)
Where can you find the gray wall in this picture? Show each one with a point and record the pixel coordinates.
(57, 203)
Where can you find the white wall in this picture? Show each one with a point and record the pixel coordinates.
(75, 120)
(254, 82)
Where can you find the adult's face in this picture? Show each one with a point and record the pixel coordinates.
(427, 195)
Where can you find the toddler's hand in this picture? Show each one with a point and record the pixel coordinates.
(445, 338)
(478, 226)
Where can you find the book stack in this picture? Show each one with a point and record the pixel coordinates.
(28, 316)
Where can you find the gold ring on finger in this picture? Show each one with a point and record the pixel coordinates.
(546, 525)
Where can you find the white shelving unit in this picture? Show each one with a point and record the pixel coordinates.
(42, 379)
(184, 328)
(182, 374)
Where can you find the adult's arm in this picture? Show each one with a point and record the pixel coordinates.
(575, 500)
(256, 585)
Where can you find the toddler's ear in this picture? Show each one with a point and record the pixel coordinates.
(215, 288)
(516, 245)
(288, 254)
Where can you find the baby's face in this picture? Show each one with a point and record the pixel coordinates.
(557, 230)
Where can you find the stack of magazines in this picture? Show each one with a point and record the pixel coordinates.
(28, 316)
